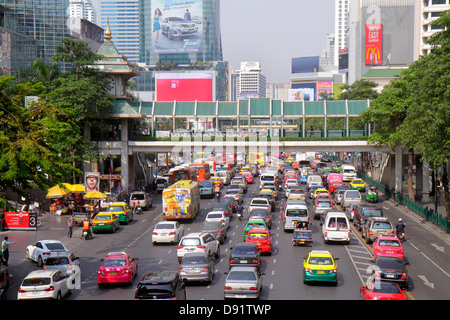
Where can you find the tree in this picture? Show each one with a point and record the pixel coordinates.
(360, 90)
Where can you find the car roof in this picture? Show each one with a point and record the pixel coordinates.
(320, 253)
(116, 254)
(261, 230)
(246, 268)
(40, 273)
(160, 276)
(49, 241)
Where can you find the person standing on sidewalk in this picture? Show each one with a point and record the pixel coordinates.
(5, 249)
(70, 227)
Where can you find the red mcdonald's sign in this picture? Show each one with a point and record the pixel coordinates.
(374, 44)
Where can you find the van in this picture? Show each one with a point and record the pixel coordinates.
(224, 176)
(161, 183)
(145, 200)
(348, 172)
(334, 177)
(313, 180)
(336, 227)
(351, 196)
(294, 213)
(267, 177)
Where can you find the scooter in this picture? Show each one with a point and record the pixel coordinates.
(87, 235)
(239, 215)
(218, 196)
(401, 235)
(138, 210)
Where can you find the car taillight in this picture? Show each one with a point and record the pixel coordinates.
(333, 271)
(227, 288)
(51, 288)
(404, 276)
(22, 291)
(232, 261)
(253, 288)
(201, 247)
(154, 233)
(172, 233)
(255, 261)
(180, 247)
(46, 253)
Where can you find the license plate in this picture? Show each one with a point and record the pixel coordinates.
(258, 243)
(390, 276)
(243, 261)
(101, 224)
(113, 273)
(389, 251)
(321, 272)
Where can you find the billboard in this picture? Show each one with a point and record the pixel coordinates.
(176, 26)
(374, 44)
(184, 87)
(325, 87)
(301, 94)
(343, 60)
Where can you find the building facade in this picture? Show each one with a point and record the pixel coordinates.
(83, 9)
(251, 82)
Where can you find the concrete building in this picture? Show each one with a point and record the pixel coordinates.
(340, 27)
(83, 9)
(251, 82)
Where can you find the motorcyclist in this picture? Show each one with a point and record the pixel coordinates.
(239, 209)
(217, 191)
(400, 226)
(86, 227)
(136, 206)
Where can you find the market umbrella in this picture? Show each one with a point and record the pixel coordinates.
(76, 188)
(56, 192)
(94, 195)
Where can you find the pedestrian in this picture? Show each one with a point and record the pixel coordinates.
(5, 249)
(70, 225)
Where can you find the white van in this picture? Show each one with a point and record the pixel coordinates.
(161, 183)
(294, 213)
(348, 172)
(336, 227)
(313, 180)
(267, 177)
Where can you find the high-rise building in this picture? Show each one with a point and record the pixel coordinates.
(251, 82)
(83, 9)
(30, 30)
(123, 16)
(180, 32)
(340, 27)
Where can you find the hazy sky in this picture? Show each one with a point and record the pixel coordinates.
(274, 32)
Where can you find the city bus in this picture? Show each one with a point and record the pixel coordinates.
(181, 201)
(202, 169)
(182, 173)
(256, 157)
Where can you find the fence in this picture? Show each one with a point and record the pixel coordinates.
(428, 214)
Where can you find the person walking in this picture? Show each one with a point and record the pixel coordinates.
(5, 249)
(70, 227)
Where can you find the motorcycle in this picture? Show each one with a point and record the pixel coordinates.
(138, 210)
(239, 215)
(401, 235)
(218, 196)
(372, 195)
(87, 234)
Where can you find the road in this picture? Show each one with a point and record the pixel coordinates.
(425, 249)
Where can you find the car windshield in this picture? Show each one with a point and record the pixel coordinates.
(381, 225)
(114, 262)
(324, 204)
(138, 196)
(156, 291)
(214, 216)
(165, 226)
(103, 217)
(205, 183)
(55, 246)
(190, 242)
(320, 260)
(389, 243)
(259, 202)
(386, 287)
(259, 213)
(211, 225)
(192, 261)
(244, 251)
(353, 195)
(257, 236)
(56, 261)
(296, 213)
(36, 282)
(242, 276)
(372, 213)
(390, 263)
(115, 208)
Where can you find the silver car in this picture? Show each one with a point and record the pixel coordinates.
(243, 282)
(197, 267)
(65, 262)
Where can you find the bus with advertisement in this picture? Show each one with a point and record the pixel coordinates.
(256, 157)
(202, 169)
(181, 201)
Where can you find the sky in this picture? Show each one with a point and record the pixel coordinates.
(274, 32)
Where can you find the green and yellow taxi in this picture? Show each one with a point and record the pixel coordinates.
(290, 160)
(254, 223)
(122, 210)
(105, 221)
(320, 266)
(358, 184)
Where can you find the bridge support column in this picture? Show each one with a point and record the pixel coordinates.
(124, 158)
(398, 169)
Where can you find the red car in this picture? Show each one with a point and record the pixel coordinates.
(387, 246)
(262, 238)
(332, 187)
(117, 267)
(382, 290)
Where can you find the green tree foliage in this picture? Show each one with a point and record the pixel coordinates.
(360, 90)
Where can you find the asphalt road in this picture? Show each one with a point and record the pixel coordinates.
(426, 249)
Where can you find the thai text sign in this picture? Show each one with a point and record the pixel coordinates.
(374, 44)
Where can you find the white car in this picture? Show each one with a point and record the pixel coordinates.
(167, 231)
(218, 216)
(44, 284)
(41, 250)
(198, 242)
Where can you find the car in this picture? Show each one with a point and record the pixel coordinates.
(236, 194)
(363, 212)
(217, 181)
(196, 267)
(224, 207)
(334, 185)
(167, 232)
(44, 284)
(218, 216)
(262, 238)
(258, 203)
(245, 254)
(351, 196)
(66, 262)
(375, 227)
(318, 191)
(358, 184)
(160, 285)
(117, 267)
(123, 212)
(387, 246)
(254, 223)
(216, 228)
(105, 221)
(391, 269)
(4, 281)
(339, 194)
(262, 213)
(40, 250)
(198, 242)
(241, 181)
(379, 290)
(313, 188)
(161, 183)
(145, 200)
(206, 188)
(176, 27)
(248, 175)
(350, 210)
(321, 208)
(243, 282)
(231, 202)
(320, 265)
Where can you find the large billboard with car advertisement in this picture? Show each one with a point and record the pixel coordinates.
(176, 26)
(374, 44)
(185, 86)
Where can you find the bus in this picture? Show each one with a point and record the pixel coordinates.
(256, 157)
(182, 173)
(181, 201)
(203, 172)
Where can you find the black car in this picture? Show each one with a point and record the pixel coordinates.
(230, 201)
(245, 254)
(363, 212)
(224, 207)
(392, 269)
(216, 228)
(160, 285)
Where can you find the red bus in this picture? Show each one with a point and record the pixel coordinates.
(202, 169)
(178, 174)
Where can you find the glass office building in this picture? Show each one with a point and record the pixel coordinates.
(31, 29)
(180, 32)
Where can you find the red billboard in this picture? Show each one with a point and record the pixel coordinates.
(20, 220)
(184, 87)
(374, 44)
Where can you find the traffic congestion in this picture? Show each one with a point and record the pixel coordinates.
(227, 232)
